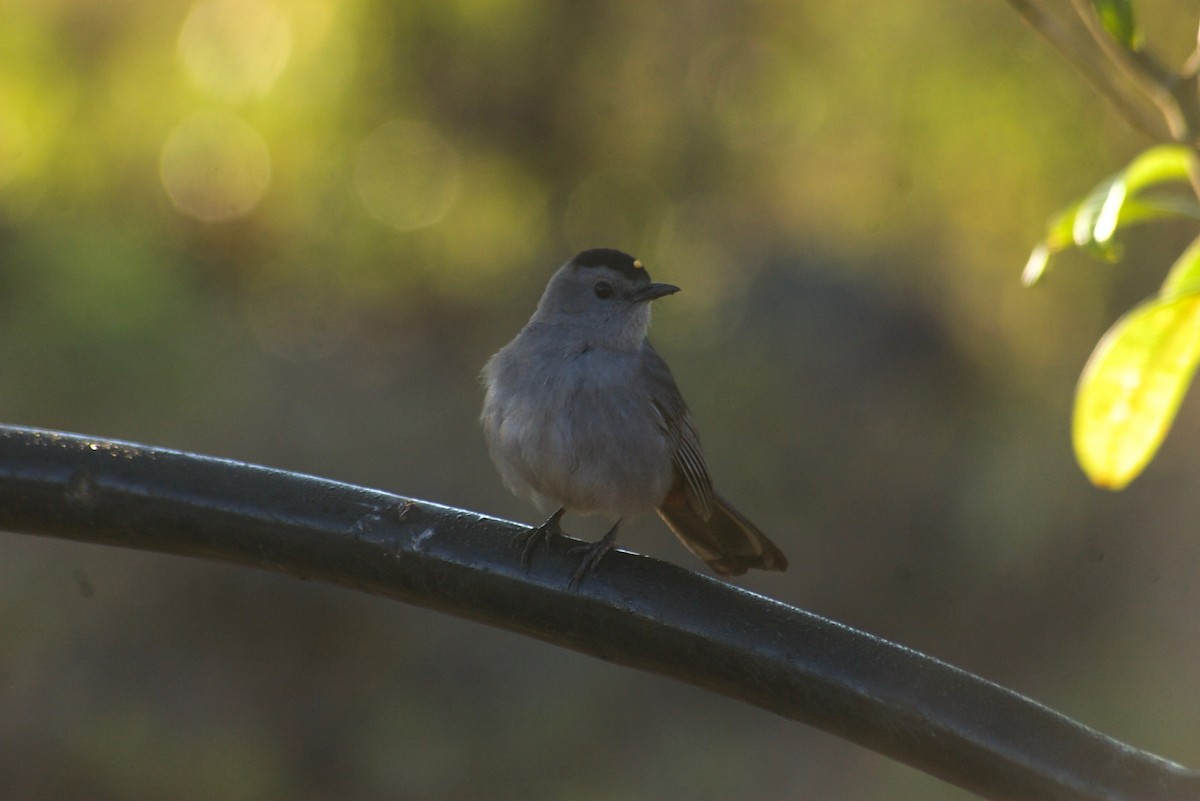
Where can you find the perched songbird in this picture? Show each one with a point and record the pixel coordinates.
(583, 415)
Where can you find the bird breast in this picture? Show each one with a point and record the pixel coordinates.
(567, 426)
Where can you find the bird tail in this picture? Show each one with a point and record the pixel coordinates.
(728, 542)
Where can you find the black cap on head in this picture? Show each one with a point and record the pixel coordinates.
(617, 260)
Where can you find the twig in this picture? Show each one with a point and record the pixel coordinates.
(1174, 95)
(1087, 60)
(634, 611)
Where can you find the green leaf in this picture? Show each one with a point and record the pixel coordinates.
(1145, 209)
(1102, 212)
(1156, 165)
(1060, 234)
(1116, 16)
(1116, 203)
(1099, 203)
(1036, 264)
(1131, 388)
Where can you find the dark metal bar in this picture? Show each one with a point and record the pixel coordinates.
(633, 611)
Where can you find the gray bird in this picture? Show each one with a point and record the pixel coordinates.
(582, 414)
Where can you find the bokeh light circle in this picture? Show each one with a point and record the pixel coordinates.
(235, 48)
(215, 166)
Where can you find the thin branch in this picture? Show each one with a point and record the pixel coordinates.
(1087, 60)
(1191, 66)
(1174, 96)
(1141, 66)
(634, 611)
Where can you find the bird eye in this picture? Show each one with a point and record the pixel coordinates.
(603, 289)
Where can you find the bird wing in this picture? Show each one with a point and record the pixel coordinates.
(676, 421)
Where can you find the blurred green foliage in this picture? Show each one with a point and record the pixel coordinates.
(292, 231)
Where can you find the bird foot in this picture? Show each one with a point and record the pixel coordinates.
(529, 539)
(592, 554)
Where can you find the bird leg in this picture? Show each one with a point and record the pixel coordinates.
(592, 554)
(529, 539)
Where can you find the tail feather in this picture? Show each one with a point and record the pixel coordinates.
(728, 542)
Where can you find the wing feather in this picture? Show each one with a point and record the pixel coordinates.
(676, 422)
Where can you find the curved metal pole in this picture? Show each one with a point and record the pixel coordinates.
(634, 611)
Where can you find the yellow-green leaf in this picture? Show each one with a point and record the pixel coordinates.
(1035, 265)
(1107, 207)
(1131, 388)
(1115, 203)
(1156, 165)
(1184, 276)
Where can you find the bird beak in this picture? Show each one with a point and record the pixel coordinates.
(653, 292)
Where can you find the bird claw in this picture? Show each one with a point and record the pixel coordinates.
(529, 539)
(592, 554)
